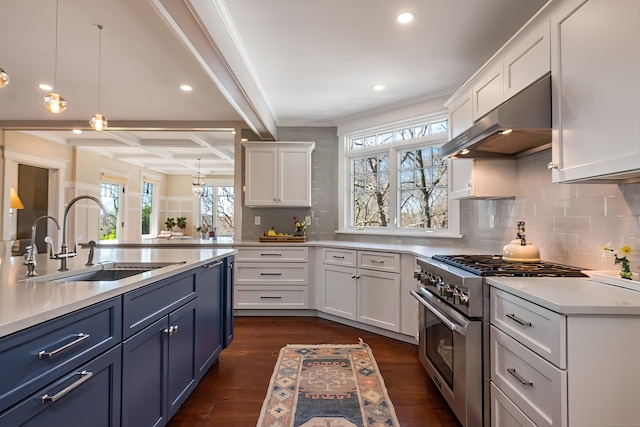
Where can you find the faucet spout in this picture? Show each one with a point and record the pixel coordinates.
(64, 249)
(30, 259)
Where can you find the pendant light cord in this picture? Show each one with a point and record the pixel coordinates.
(99, 65)
(55, 60)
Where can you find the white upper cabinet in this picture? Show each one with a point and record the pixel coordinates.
(596, 90)
(527, 59)
(488, 91)
(482, 178)
(520, 62)
(278, 174)
(460, 114)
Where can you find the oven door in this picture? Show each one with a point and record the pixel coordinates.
(450, 349)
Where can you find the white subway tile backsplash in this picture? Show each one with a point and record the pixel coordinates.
(568, 222)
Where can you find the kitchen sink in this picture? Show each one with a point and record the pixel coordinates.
(106, 272)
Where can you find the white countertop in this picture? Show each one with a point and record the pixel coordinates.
(25, 302)
(572, 296)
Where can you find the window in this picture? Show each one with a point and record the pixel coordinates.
(110, 198)
(397, 180)
(147, 207)
(216, 209)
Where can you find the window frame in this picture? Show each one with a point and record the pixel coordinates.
(345, 202)
(215, 184)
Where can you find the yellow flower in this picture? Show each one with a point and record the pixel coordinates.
(625, 250)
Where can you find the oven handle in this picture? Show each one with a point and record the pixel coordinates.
(453, 326)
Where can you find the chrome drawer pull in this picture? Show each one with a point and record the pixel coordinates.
(80, 337)
(517, 376)
(171, 330)
(271, 274)
(338, 257)
(270, 297)
(518, 320)
(84, 376)
(379, 261)
(213, 265)
(270, 254)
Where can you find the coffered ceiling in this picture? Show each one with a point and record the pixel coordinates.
(254, 64)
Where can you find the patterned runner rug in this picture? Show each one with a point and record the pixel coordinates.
(327, 386)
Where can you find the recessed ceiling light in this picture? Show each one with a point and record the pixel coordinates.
(186, 88)
(45, 86)
(377, 87)
(77, 131)
(405, 17)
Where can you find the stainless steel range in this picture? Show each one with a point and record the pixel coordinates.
(454, 325)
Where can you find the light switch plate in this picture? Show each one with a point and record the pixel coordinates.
(307, 220)
(256, 220)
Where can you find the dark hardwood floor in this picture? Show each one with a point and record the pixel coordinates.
(232, 392)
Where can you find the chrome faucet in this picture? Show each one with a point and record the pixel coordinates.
(30, 256)
(64, 249)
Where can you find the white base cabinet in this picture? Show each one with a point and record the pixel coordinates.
(552, 369)
(271, 277)
(361, 285)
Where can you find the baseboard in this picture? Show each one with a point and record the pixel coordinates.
(315, 313)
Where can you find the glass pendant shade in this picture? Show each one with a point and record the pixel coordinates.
(55, 103)
(98, 122)
(4, 78)
(198, 188)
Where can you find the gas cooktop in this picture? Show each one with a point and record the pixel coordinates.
(494, 265)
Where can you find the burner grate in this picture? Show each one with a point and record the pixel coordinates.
(494, 265)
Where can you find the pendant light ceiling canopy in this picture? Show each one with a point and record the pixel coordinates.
(54, 102)
(197, 185)
(4, 78)
(99, 122)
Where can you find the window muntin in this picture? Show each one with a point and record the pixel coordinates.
(405, 133)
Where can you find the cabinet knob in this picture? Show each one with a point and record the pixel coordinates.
(552, 165)
(469, 185)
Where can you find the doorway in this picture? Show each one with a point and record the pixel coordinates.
(33, 188)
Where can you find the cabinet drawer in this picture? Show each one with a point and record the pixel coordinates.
(380, 261)
(542, 330)
(92, 397)
(273, 254)
(344, 257)
(149, 303)
(263, 297)
(504, 413)
(41, 354)
(248, 273)
(537, 387)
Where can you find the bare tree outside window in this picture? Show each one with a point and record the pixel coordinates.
(370, 178)
(423, 189)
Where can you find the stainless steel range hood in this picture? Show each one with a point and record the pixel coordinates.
(516, 126)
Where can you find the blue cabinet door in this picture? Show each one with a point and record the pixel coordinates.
(209, 323)
(228, 302)
(144, 376)
(181, 374)
(87, 396)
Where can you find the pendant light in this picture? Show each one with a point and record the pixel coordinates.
(54, 102)
(197, 186)
(4, 78)
(98, 121)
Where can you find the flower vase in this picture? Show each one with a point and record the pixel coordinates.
(625, 271)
